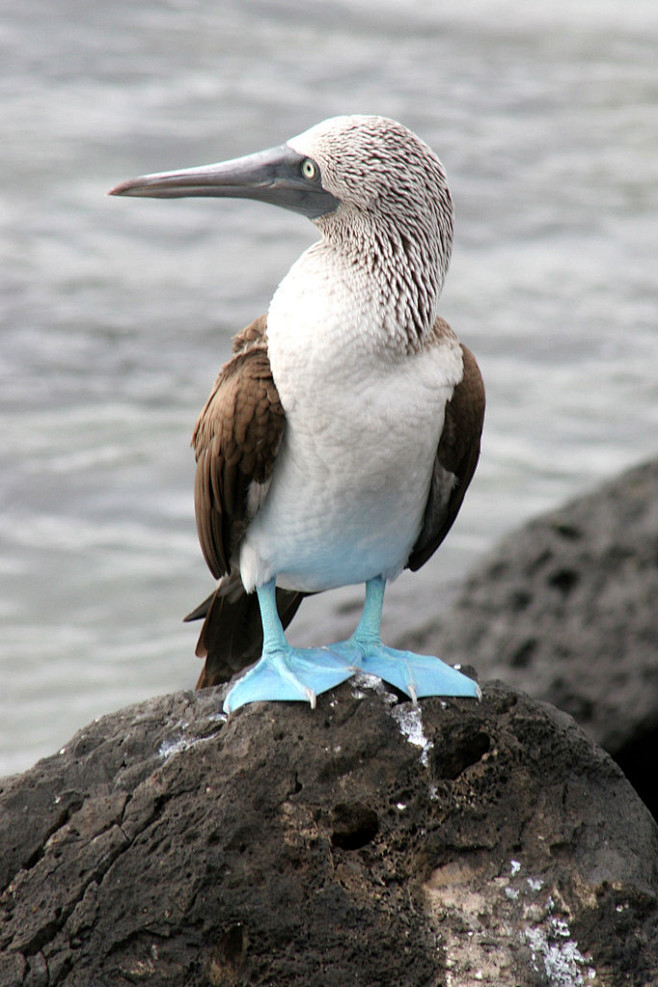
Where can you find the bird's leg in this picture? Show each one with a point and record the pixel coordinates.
(368, 629)
(415, 675)
(284, 672)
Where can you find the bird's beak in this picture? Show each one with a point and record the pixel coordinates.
(273, 176)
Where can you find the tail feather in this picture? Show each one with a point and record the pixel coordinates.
(232, 636)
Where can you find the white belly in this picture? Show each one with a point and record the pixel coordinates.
(351, 480)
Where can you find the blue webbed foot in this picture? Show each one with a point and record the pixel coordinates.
(415, 675)
(289, 673)
(301, 674)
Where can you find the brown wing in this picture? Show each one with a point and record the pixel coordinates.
(235, 440)
(255, 334)
(456, 459)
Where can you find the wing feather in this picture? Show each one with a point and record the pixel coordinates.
(456, 458)
(235, 440)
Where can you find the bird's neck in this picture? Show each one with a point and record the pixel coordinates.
(398, 271)
(349, 302)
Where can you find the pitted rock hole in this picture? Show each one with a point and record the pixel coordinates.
(354, 824)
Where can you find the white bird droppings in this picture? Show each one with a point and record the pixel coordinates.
(176, 745)
(362, 680)
(562, 960)
(409, 720)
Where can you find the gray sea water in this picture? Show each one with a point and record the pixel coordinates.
(116, 314)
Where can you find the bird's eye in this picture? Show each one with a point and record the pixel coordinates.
(309, 169)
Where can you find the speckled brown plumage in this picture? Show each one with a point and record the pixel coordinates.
(253, 335)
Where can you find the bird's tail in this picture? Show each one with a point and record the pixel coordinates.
(232, 637)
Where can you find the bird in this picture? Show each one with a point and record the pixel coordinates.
(340, 437)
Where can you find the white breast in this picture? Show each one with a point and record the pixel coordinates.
(363, 422)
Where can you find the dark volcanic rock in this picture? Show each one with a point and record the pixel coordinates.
(366, 842)
(567, 610)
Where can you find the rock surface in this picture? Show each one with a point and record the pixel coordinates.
(366, 842)
(567, 610)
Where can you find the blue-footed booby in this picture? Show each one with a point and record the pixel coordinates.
(338, 441)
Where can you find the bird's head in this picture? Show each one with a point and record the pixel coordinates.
(368, 165)
(362, 178)
(378, 170)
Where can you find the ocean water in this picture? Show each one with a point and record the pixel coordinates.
(115, 314)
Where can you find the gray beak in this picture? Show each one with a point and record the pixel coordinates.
(279, 175)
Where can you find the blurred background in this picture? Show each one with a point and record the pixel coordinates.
(115, 315)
